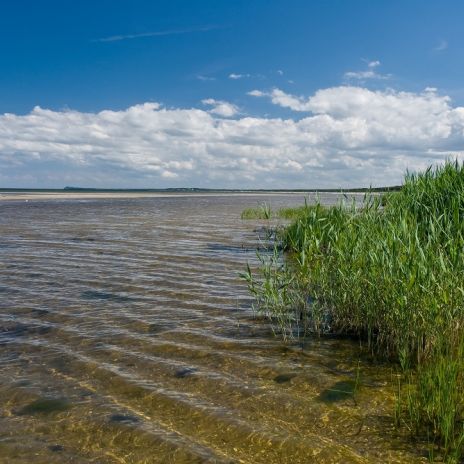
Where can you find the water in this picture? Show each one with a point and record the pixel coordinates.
(126, 336)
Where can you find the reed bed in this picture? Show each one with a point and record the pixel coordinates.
(389, 271)
(264, 211)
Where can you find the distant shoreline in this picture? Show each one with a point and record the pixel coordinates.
(7, 196)
(26, 195)
(70, 193)
(194, 190)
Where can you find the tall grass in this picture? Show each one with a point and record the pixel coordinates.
(392, 272)
(264, 211)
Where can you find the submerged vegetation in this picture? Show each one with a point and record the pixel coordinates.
(389, 271)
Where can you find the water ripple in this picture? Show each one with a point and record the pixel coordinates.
(126, 336)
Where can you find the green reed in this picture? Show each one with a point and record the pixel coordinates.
(391, 272)
(264, 211)
(430, 400)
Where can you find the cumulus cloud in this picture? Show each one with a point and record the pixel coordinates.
(349, 136)
(220, 107)
(279, 97)
(369, 73)
(257, 93)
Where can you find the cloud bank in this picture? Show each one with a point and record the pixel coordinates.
(341, 136)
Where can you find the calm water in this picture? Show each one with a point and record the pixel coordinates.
(127, 337)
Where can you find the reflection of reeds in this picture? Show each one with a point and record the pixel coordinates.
(390, 271)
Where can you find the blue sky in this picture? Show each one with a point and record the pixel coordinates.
(228, 93)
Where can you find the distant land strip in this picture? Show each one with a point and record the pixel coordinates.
(199, 190)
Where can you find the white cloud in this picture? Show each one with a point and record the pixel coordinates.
(368, 73)
(201, 77)
(350, 136)
(236, 76)
(220, 107)
(118, 38)
(256, 93)
(442, 45)
(279, 97)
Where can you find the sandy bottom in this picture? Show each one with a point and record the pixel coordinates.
(127, 337)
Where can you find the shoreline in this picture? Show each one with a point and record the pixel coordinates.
(39, 196)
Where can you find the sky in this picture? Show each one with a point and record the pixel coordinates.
(228, 93)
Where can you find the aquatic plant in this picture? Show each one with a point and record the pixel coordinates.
(263, 211)
(391, 272)
(430, 400)
(292, 213)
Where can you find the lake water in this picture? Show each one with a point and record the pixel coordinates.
(126, 336)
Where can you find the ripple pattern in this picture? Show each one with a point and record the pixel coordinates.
(126, 336)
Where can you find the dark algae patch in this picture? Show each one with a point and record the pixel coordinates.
(155, 328)
(56, 448)
(339, 391)
(45, 406)
(124, 419)
(98, 295)
(219, 247)
(20, 330)
(185, 372)
(283, 378)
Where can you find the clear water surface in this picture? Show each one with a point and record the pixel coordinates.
(126, 336)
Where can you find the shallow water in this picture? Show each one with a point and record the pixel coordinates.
(126, 336)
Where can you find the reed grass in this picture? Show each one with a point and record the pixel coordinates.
(391, 272)
(264, 211)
